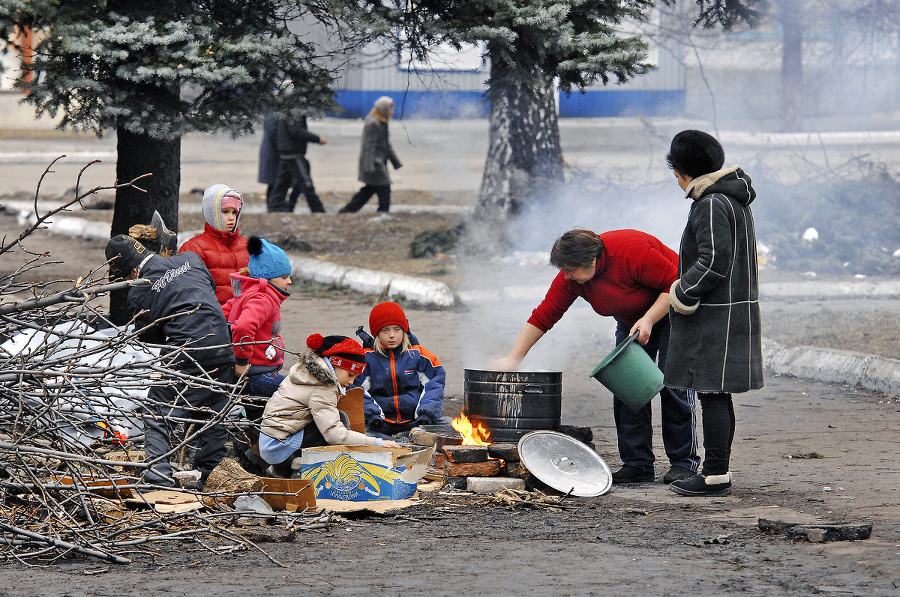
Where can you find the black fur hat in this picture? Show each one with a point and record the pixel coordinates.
(695, 153)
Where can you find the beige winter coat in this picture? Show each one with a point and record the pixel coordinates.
(310, 392)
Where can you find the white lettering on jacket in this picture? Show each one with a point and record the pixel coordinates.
(170, 275)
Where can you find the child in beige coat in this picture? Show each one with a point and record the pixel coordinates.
(310, 394)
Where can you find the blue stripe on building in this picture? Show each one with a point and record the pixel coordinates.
(472, 104)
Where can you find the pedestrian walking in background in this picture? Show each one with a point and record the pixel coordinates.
(291, 140)
(220, 246)
(270, 165)
(716, 345)
(374, 154)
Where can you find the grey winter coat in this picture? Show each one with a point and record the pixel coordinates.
(715, 338)
(375, 152)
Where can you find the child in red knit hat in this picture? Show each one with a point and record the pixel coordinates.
(309, 394)
(404, 383)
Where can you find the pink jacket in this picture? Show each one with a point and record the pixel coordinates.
(255, 316)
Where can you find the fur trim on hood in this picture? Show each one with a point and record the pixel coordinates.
(314, 371)
(731, 181)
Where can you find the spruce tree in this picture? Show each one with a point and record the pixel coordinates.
(153, 71)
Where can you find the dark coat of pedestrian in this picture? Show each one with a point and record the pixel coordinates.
(715, 339)
(268, 154)
(375, 152)
(270, 165)
(179, 311)
(291, 140)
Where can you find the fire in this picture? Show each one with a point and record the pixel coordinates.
(473, 435)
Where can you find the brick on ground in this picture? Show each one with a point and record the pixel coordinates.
(493, 484)
(491, 468)
(466, 454)
(505, 451)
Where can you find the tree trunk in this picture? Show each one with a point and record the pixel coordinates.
(140, 154)
(791, 62)
(524, 161)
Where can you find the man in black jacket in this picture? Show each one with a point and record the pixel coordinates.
(291, 139)
(180, 308)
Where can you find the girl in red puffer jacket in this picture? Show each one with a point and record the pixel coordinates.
(221, 246)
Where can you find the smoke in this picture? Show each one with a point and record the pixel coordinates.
(507, 271)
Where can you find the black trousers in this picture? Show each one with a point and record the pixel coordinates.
(718, 431)
(294, 171)
(364, 194)
(182, 400)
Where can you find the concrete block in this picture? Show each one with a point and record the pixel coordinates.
(882, 375)
(493, 484)
(367, 281)
(428, 292)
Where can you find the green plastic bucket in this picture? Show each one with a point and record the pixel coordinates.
(630, 374)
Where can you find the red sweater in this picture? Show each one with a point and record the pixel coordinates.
(224, 253)
(632, 271)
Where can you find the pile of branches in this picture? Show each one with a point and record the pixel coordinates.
(72, 391)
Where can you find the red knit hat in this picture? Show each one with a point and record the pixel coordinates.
(385, 314)
(342, 352)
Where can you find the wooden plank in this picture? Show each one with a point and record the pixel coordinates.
(351, 403)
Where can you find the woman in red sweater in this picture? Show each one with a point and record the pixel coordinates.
(625, 274)
(221, 247)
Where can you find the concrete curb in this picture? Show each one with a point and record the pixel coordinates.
(366, 281)
(834, 366)
(67, 225)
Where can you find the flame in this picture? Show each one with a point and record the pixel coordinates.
(472, 435)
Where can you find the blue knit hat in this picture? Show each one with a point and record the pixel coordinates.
(267, 260)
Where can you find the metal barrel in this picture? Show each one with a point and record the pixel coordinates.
(513, 403)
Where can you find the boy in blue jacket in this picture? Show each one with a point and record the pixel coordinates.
(403, 382)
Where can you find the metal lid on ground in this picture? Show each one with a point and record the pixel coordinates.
(564, 463)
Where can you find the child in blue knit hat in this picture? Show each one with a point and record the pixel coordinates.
(254, 315)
